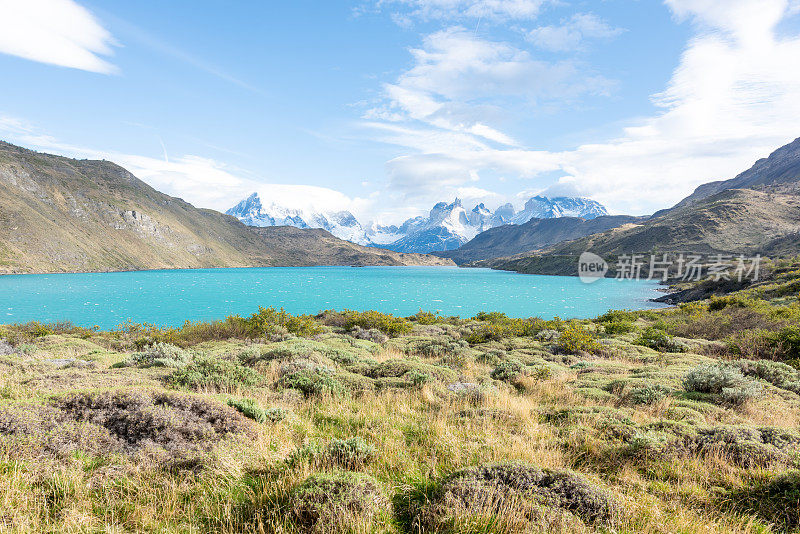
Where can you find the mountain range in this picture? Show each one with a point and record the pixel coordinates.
(446, 227)
(59, 214)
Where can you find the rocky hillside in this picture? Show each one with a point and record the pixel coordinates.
(779, 172)
(59, 214)
(535, 234)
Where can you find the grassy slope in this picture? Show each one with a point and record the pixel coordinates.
(590, 398)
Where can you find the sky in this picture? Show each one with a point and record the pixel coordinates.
(385, 107)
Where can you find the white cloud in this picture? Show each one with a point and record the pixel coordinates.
(460, 83)
(572, 33)
(734, 97)
(57, 32)
(498, 10)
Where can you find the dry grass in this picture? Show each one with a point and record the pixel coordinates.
(179, 461)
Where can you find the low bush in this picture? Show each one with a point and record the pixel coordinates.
(158, 355)
(369, 334)
(518, 491)
(647, 394)
(659, 340)
(166, 425)
(408, 367)
(508, 370)
(745, 446)
(496, 326)
(269, 321)
(388, 324)
(215, 374)
(309, 378)
(577, 339)
(724, 380)
(616, 327)
(351, 454)
(336, 502)
(253, 410)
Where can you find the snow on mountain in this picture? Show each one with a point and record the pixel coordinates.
(540, 207)
(342, 224)
(447, 226)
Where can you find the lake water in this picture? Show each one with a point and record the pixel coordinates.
(170, 297)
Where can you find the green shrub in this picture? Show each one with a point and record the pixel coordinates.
(309, 378)
(723, 380)
(787, 341)
(522, 492)
(716, 303)
(435, 348)
(648, 394)
(507, 371)
(617, 327)
(216, 374)
(428, 318)
(659, 340)
(269, 321)
(776, 373)
(253, 410)
(352, 453)
(388, 324)
(576, 339)
(158, 355)
(404, 368)
(335, 502)
(418, 378)
(487, 332)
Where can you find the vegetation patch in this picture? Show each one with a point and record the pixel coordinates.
(217, 374)
(253, 410)
(775, 500)
(514, 494)
(723, 380)
(158, 355)
(120, 422)
(336, 502)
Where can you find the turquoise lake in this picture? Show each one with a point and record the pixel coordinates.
(170, 297)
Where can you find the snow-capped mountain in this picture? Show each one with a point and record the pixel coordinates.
(342, 224)
(540, 207)
(450, 225)
(447, 226)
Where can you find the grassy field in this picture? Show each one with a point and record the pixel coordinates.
(679, 420)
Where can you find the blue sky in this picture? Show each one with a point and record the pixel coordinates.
(385, 107)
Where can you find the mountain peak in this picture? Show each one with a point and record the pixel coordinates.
(341, 224)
